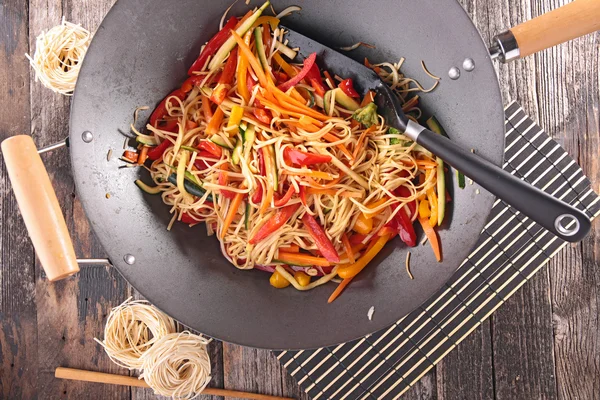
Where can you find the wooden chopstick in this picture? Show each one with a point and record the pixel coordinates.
(101, 377)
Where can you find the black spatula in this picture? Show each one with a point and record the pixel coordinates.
(560, 218)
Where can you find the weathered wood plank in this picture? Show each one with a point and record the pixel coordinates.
(258, 371)
(70, 312)
(568, 104)
(424, 389)
(466, 372)
(18, 326)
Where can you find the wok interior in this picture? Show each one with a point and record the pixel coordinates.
(142, 51)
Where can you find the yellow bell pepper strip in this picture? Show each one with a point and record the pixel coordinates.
(278, 281)
(351, 270)
(424, 211)
(302, 278)
(338, 290)
(215, 122)
(237, 112)
(363, 225)
(252, 60)
(233, 208)
(282, 215)
(287, 68)
(265, 19)
(432, 238)
(302, 259)
(433, 205)
(373, 206)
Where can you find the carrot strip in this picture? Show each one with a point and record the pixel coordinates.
(331, 139)
(233, 208)
(316, 185)
(369, 97)
(252, 60)
(295, 105)
(332, 192)
(348, 248)
(361, 140)
(303, 259)
(311, 173)
(294, 94)
(307, 127)
(432, 238)
(292, 248)
(242, 76)
(215, 122)
(208, 114)
(143, 155)
(339, 289)
(244, 18)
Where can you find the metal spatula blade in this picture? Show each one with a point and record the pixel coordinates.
(560, 218)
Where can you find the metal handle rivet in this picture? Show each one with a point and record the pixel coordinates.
(566, 224)
(454, 73)
(87, 136)
(468, 64)
(129, 259)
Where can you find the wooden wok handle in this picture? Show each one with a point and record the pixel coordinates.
(39, 207)
(101, 377)
(570, 21)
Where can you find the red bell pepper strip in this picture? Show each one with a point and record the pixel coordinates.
(348, 87)
(222, 180)
(303, 158)
(213, 45)
(314, 78)
(187, 219)
(308, 64)
(286, 198)
(280, 77)
(196, 80)
(321, 240)
(403, 191)
(258, 193)
(357, 238)
(161, 111)
(402, 225)
(220, 92)
(262, 115)
(203, 164)
(277, 221)
(302, 195)
(210, 147)
(156, 152)
(261, 164)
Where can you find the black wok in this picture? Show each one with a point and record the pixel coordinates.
(142, 51)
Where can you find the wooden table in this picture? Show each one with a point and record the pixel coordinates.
(543, 343)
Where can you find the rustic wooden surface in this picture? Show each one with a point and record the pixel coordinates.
(543, 343)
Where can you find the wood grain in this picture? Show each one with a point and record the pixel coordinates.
(544, 343)
(18, 327)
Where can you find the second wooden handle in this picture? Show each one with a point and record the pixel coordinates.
(39, 207)
(570, 21)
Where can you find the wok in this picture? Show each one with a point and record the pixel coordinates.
(142, 51)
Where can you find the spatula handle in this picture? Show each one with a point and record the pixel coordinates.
(570, 21)
(560, 218)
(39, 207)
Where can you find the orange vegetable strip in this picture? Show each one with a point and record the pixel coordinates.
(242, 76)
(307, 127)
(316, 185)
(287, 68)
(143, 155)
(332, 192)
(374, 205)
(362, 139)
(295, 105)
(339, 289)
(311, 173)
(369, 97)
(233, 207)
(206, 108)
(351, 270)
(348, 248)
(432, 238)
(331, 139)
(305, 119)
(244, 18)
(303, 259)
(292, 248)
(263, 19)
(294, 93)
(253, 61)
(215, 122)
